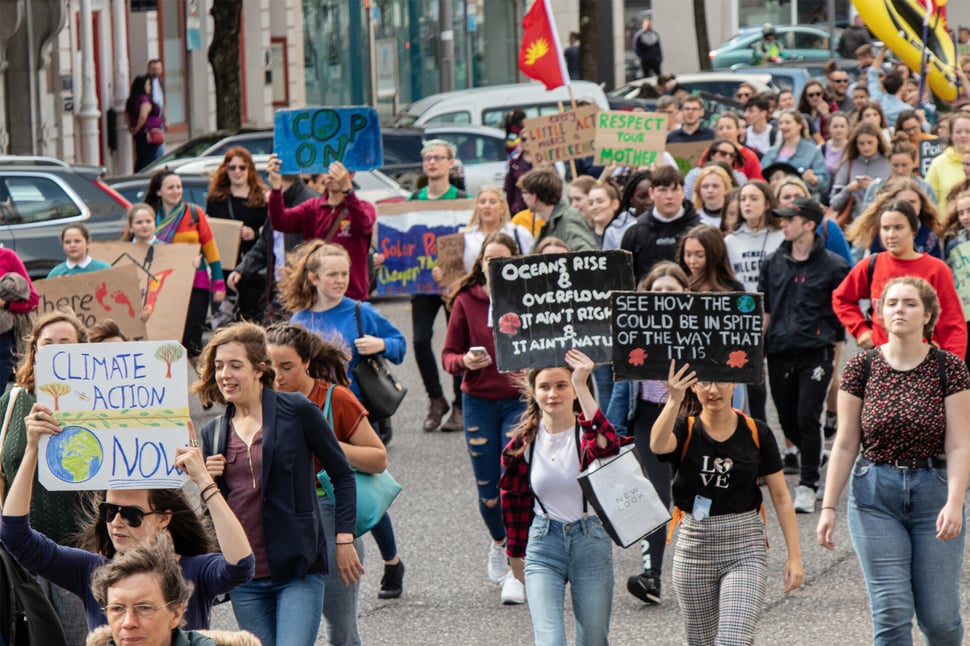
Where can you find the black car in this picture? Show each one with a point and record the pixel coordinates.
(40, 196)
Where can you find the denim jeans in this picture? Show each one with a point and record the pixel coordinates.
(280, 614)
(488, 423)
(339, 600)
(581, 554)
(892, 521)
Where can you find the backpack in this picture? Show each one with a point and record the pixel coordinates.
(940, 366)
(27, 617)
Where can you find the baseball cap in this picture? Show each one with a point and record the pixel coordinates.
(806, 207)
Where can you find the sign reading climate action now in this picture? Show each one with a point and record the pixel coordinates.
(543, 305)
(719, 334)
(630, 138)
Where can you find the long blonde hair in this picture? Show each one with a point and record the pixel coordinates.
(505, 218)
(295, 289)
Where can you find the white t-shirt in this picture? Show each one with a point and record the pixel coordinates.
(760, 142)
(554, 469)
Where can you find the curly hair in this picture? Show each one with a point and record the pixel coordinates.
(253, 338)
(25, 371)
(327, 361)
(296, 290)
(157, 558)
(927, 295)
(220, 190)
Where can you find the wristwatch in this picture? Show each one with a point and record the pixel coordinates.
(348, 191)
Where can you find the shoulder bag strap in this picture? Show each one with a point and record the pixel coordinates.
(327, 409)
(336, 223)
(690, 429)
(11, 404)
(360, 328)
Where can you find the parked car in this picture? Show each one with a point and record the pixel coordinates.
(793, 75)
(487, 106)
(723, 84)
(40, 196)
(800, 42)
(256, 141)
(480, 151)
(195, 188)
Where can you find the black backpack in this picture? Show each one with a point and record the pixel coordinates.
(26, 616)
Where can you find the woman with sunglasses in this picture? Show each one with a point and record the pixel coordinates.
(730, 125)
(721, 150)
(817, 106)
(126, 518)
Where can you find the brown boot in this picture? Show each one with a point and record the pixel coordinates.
(437, 408)
(455, 421)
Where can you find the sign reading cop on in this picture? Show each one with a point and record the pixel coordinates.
(308, 140)
(630, 138)
(719, 334)
(123, 408)
(543, 305)
(560, 137)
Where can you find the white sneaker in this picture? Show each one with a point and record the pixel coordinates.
(513, 590)
(498, 563)
(804, 500)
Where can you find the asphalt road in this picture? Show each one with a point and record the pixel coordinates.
(448, 598)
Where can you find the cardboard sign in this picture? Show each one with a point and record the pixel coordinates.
(929, 150)
(308, 140)
(543, 305)
(407, 235)
(688, 155)
(165, 275)
(958, 260)
(630, 138)
(109, 293)
(123, 408)
(226, 233)
(719, 334)
(560, 137)
(451, 258)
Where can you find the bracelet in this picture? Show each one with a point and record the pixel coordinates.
(824, 508)
(343, 542)
(207, 488)
(213, 495)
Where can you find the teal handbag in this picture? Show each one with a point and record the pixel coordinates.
(375, 491)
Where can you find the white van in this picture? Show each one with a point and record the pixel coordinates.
(487, 106)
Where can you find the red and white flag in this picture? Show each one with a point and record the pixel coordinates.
(540, 56)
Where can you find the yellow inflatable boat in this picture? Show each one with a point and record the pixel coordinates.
(899, 24)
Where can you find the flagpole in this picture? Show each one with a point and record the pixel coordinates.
(572, 162)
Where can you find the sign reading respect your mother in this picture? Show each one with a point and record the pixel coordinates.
(123, 409)
(630, 138)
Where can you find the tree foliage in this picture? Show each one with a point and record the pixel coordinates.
(56, 389)
(169, 353)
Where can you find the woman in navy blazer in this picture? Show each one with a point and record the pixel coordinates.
(260, 453)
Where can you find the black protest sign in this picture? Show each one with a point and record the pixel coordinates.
(543, 305)
(929, 149)
(719, 334)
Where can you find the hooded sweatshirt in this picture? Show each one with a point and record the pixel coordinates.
(747, 249)
(945, 173)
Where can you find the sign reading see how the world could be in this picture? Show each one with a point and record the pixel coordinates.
(123, 408)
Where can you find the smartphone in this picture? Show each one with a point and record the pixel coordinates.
(477, 349)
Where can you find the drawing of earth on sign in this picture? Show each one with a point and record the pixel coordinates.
(75, 455)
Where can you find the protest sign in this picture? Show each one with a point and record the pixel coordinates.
(688, 155)
(929, 150)
(958, 258)
(560, 137)
(165, 276)
(226, 234)
(546, 304)
(451, 253)
(407, 235)
(308, 140)
(108, 293)
(630, 138)
(123, 409)
(719, 334)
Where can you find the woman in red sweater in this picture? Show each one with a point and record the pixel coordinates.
(898, 224)
(491, 401)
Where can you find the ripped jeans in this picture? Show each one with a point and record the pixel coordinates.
(488, 423)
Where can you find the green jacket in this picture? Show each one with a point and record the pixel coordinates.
(568, 224)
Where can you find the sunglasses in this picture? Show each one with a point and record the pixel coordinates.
(729, 153)
(133, 516)
(845, 80)
(814, 95)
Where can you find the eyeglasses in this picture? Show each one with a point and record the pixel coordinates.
(743, 95)
(434, 158)
(115, 612)
(814, 95)
(133, 516)
(234, 167)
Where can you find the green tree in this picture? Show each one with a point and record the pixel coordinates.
(224, 58)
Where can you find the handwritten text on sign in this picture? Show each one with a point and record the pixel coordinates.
(958, 259)
(719, 334)
(407, 235)
(123, 408)
(544, 305)
(560, 137)
(308, 140)
(630, 138)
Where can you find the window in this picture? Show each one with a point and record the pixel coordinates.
(496, 116)
(476, 149)
(25, 199)
(809, 40)
(450, 117)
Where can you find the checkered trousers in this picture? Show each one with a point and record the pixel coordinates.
(720, 576)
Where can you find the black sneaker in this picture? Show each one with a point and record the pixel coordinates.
(392, 583)
(790, 461)
(645, 586)
(831, 425)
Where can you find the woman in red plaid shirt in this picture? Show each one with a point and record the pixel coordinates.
(543, 505)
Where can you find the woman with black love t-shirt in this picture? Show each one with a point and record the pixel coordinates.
(720, 562)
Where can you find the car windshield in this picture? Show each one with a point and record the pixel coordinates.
(192, 148)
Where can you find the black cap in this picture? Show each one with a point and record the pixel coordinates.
(771, 169)
(806, 207)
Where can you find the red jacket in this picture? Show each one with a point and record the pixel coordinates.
(751, 165)
(468, 327)
(951, 329)
(313, 219)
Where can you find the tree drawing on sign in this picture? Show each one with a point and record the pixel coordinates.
(169, 353)
(56, 390)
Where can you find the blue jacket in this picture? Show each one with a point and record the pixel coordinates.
(807, 156)
(294, 430)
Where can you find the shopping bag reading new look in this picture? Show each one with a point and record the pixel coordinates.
(624, 498)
